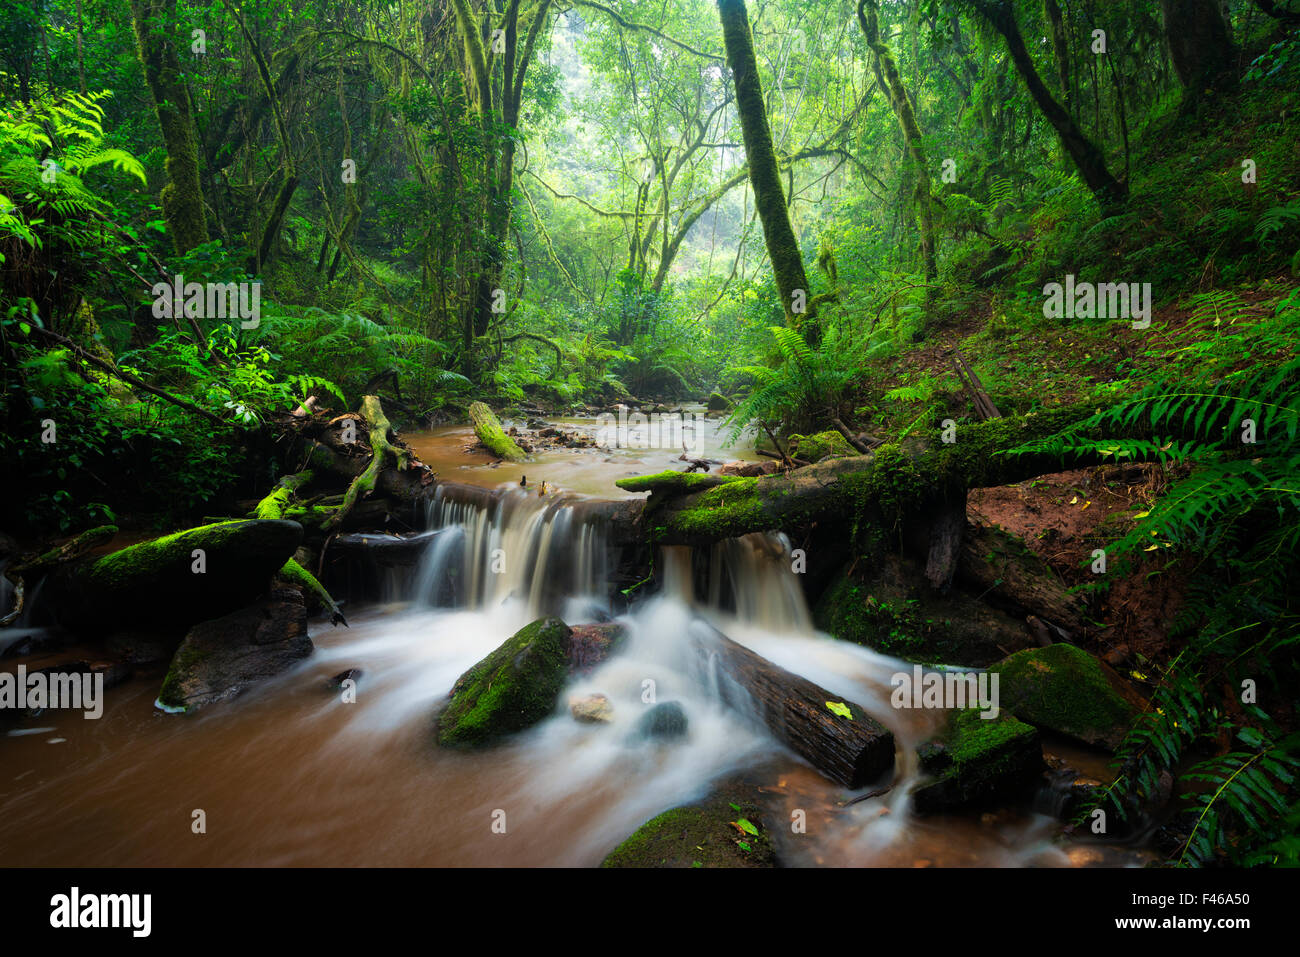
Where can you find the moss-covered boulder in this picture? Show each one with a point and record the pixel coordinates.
(221, 658)
(717, 402)
(494, 438)
(726, 829)
(176, 580)
(1063, 688)
(976, 760)
(511, 689)
(822, 445)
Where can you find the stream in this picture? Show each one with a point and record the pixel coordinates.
(292, 774)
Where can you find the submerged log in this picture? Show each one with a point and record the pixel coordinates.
(851, 749)
(387, 550)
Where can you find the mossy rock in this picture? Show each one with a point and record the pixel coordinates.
(976, 760)
(221, 658)
(513, 688)
(155, 583)
(700, 835)
(1064, 689)
(717, 402)
(823, 445)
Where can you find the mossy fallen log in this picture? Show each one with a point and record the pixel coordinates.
(872, 493)
(175, 580)
(40, 565)
(670, 482)
(488, 429)
(275, 503)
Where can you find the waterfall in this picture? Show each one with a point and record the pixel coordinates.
(514, 547)
(751, 578)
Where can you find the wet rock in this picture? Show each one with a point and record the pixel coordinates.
(351, 674)
(513, 688)
(665, 721)
(717, 402)
(221, 658)
(591, 708)
(718, 831)
(977, 760)
(590, 645)
(1065, 689)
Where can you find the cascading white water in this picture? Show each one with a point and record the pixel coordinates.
(520, 548)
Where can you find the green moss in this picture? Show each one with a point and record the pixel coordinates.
(850, 612)
(488, 429)
(513, 688)
(976, 759)
(823, 445)
(171, 696)
(155, 582)
(670, 482)
(1065, 689)
(175, 549)
(312, 589)
(695, 836)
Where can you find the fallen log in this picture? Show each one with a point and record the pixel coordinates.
(488, 429)
(383, 454)
(872, 492)
(852, 750)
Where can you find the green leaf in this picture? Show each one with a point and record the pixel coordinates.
(839, 708)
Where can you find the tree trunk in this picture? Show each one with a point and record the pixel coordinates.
(892, 81)
(156, 24)
(764, 174)
(1200, 46)
(1109, 191)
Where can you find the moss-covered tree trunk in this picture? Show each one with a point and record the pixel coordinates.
(1089, 160)
(764, 173)
(892, 81)
(156, 29)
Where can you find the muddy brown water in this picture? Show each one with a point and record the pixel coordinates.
(291, 773)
